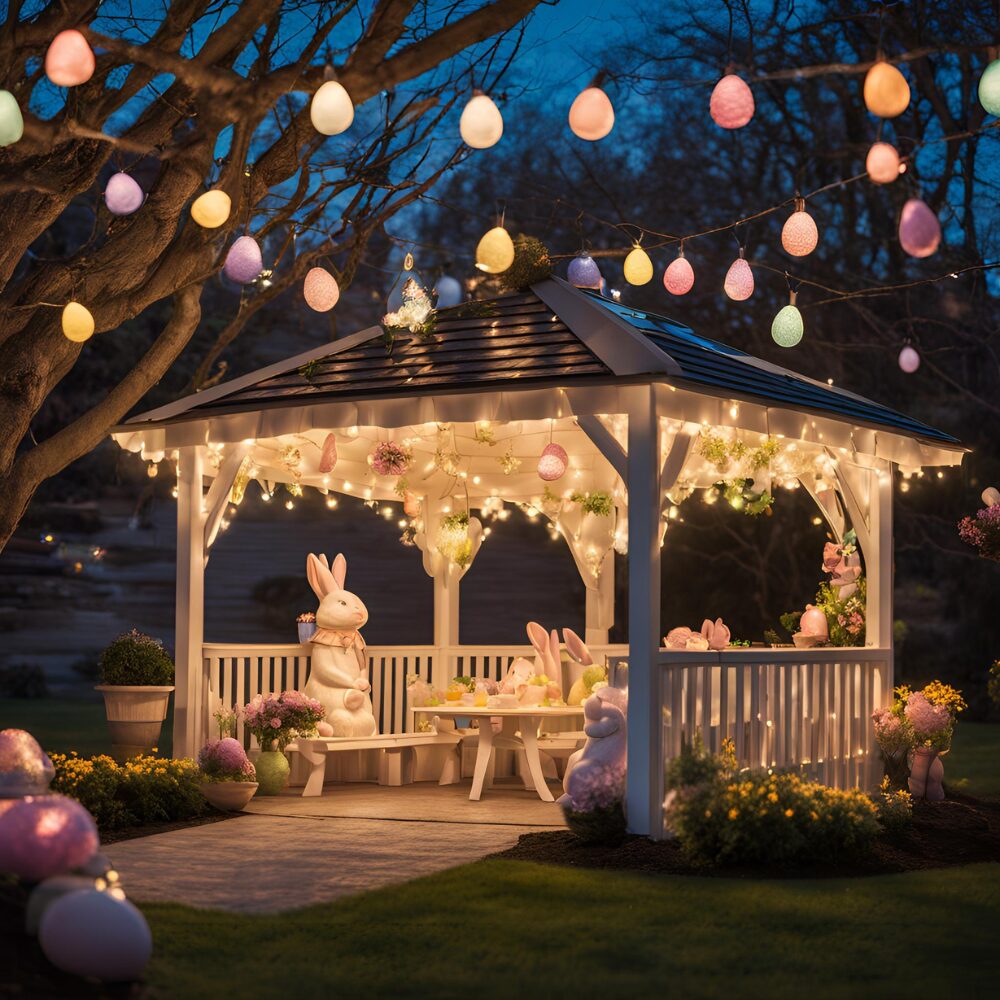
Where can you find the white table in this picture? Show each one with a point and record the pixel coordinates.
(523, 720)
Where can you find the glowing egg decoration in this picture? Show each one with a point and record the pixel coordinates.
(553, 463)
(799, 234)
(320, 289)
(448, 291)
(739, 280)
(731, 104)
(77, 322)
(11, 119)
(122, 195)
(678, 279)
(882, 163)
(211, 209)
(989, 88)
(481, 124)
(25, 769)
(591, 115)
(584, 272)
(919, 229)
(97, 935)
(787, 328)
(331, 109)
(887, 94)
(244, 261)
(495, 252)
(69, 60)
(328, 457)
(44, 835)
(638, 267)
(909, 359)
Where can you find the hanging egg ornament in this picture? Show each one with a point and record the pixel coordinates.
(989, 89)
(495, 252)
(11, 119)
(481, 124)
(882, 163)
(799, 234)
(331, 109)
(328, 456)
(591, 115)
(69, 60)
(448, 291)
(553, 463)
(919, 229)
(739, 280)
(122, 195)
(787, 328)
(909, 359)
(731, 104)
(211, 209)
(584, 272)
(638, 267)
(77, 322)
(678, 278)
(244, 261)
(320, 290)
(887, 94)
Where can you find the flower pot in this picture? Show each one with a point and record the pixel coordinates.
(306, 631)
(135, 716)
(926, 775)
(229, 796)
(272, 772)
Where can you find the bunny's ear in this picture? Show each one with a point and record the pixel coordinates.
(318, 575)
(538, 637)
(577, 647)
(554, 652)
(339, 571)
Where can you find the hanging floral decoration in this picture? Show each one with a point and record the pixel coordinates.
(447, 460)
(390, 459)
(722, 452)
(453, 541)
(485, 434)
(291, 458)
(416, 314)
(597, 502)
(509, 462)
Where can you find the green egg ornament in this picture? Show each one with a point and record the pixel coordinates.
(11, 122)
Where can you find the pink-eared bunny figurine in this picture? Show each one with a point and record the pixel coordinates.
(717, 633)
(601, 760)
(338, 677)
(843, 563)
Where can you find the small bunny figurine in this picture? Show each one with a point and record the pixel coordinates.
(602, 758)
(339, 675)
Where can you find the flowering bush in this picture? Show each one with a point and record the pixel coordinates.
(389, 459)
(894, 806)
(844, 617)
(983, 531)
(142, 790)
(278, 719)
(225, 760)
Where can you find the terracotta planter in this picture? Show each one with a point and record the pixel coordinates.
(229, 796)
(135, 716)
(926, 775)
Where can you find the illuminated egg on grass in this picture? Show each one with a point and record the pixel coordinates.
(44, 835)
(244, 261)
(799, 234)
(909, 359)
(25, 768)
(886, 92)
(591, 115)
(328, 457)
(638, 267)
(584, 272)
(96, 934)
(989, 88)
(882, 163)
(481, 124)
(731, 104)
(678, 278)
(919, 229)
(553, 463)
(320, 290)
(77, 322)
(69, 60)
(448, 291)
(331, 109)
(739, 280)
(11, 119)
(495, 252)
(122, 195)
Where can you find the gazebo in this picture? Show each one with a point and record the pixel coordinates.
(600, 418)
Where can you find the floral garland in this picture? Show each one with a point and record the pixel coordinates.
(389, 459)
(597, 502)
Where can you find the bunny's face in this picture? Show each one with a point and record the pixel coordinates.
(341, 610)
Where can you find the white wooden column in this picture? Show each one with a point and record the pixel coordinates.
(644, 718)
(189, 706)
(879, 561)
(446, 604)
(600, 607)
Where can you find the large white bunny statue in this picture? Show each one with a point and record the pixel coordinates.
(598, 767)
(339, 675)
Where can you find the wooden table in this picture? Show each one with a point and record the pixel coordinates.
(520, 724)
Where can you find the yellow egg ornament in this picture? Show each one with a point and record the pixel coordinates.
(638, 267)
(495, 252)
(331, 109)
(211, 209)
(887, 94)
(77, 322)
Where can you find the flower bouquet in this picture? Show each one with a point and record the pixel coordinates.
(388, 459)
(278, 719)
(306, 623)
(230, 779)
(983, 531)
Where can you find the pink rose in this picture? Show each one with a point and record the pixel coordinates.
(276, 723)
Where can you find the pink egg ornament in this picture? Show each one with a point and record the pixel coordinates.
(591, 116)
(328, 458)
(731, 105)
(69, 60)
(122, 195)
(678, 278)
(919, 229)
(739, 280)
(244, 261)
(320, 290)
(45, 835)
(553, 463)
(799, 234)
(882, 163)
(909, 359)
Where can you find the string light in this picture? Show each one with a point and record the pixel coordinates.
(678, 279)
(320, 290)
(244, 261)
(495, 252)
(787, 328)
(731, 105)
(989, 89)
(799, 234)
(584, 273)
(638, 267)
(122, 195)
(77, 322)
(739, 280)
(882, 163)
(211, 209)
(886, 92)
(591, 115)
(481, 124)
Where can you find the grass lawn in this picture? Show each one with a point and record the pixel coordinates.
(973, 764)
(516, 929)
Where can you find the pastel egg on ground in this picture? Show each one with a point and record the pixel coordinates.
(591, 115)
(320, 290)
(732, 104)
(244, 261)
(69, 60)
(122, 195)
(25, 768)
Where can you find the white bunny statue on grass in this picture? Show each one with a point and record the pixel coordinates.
(339, 675)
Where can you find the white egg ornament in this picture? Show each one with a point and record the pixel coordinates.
(481, 124)
(77, 322)
(331, 109)
(448, 291)
(320, 290)
(739, 280)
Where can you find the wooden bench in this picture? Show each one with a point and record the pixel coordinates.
(395, 763)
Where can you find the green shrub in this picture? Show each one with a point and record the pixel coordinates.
(894, 807)
(136, 659)
(23, 680)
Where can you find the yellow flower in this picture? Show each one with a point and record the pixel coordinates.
(733, 813)
(789, 812)
(772, 797)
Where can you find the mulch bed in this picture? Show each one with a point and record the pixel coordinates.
(959, 831)
(148, 829)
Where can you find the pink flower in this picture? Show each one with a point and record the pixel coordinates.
(927, 720)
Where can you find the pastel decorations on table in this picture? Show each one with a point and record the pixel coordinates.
(591, 115)
(96, 934)
(25, 768)
(244, 261)
(584, 272)
(122, 195)
(716, 633)
(211, 209)
(77, 322)
(481, 124)
(11, 119)
(638, 267)
(739, 280)
(882, 163)
(813, 622)
(731, 104)
(495, 252)
(553, 463)
(919, 229)
(44, 835)
(989, 88)
(448, 291)
(69, 60)
(787, 327)
(886, 92)
(328, 455)
(678, 279)
(320, 290)
(799, 234)
(909, 359)
(331, 109)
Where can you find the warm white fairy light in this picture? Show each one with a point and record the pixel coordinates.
(331, 502)
(289, 505)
